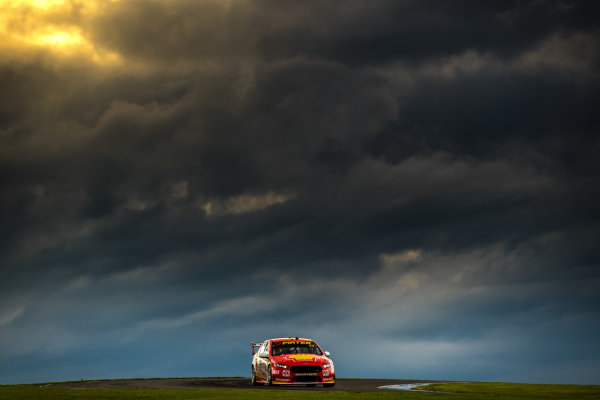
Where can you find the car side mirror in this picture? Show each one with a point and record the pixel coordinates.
(327, 354)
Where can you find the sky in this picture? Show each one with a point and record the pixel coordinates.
(413, 184)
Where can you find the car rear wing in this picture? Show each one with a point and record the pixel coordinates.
(255, 345)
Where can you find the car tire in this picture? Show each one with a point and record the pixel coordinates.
(253, 378)
(269, 377)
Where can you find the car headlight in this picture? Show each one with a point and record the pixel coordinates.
(329, 364)
(281, 366)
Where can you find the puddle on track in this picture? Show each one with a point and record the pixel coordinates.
(409, 387)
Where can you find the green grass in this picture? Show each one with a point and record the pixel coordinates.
(26, 392)
(455, 391)
(517, 391)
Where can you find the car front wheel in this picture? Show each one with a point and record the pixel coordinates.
(269, 377)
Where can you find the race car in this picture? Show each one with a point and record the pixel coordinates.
(285, 361)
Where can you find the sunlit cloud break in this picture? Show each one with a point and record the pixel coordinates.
(245, 203)
(58, 26)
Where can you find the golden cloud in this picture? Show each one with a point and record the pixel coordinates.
(245, 203)
(57, 26)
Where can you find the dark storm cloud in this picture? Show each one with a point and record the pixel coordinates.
(420, 173)
(414, 31)
(488, 114)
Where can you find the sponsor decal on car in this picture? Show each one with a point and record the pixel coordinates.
(302, 357)
(303, 342)
(306, 374)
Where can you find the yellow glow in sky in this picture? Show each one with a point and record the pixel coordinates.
(45, 3)
(61, 38)
(55, 25)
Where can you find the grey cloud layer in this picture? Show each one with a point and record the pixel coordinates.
(423, 173)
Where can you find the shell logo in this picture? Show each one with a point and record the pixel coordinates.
(302, 357)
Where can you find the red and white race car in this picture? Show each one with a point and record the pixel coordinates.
(285, 361)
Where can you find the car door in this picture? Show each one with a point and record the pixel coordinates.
(266, 360)
(262, 361)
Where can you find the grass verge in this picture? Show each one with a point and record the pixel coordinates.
(516, 391)
(454, 391)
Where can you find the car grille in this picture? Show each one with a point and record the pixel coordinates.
(306, 369)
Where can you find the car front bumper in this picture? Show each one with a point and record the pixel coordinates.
(287, 377)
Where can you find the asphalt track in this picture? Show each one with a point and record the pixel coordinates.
(343, 384)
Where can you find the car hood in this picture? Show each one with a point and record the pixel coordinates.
(300, 359)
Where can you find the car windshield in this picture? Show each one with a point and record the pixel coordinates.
(295, 347)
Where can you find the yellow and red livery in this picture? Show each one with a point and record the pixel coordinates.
(291, 361)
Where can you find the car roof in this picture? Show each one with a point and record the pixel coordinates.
(290, 338)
